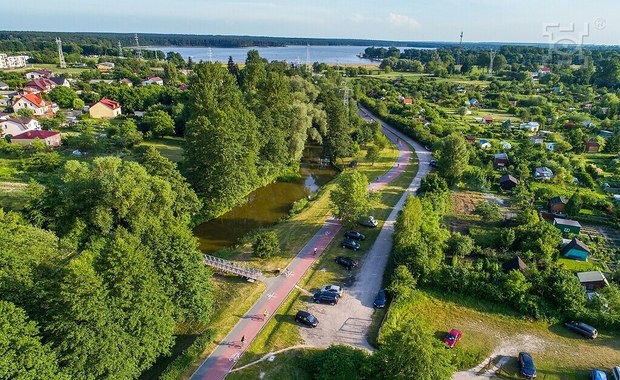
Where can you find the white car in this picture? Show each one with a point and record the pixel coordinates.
(333, 289)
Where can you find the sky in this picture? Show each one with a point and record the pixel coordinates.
(542, 21)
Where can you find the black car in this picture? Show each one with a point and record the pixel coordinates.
(526, 364)
(306, 318)
(433, 163)
(582, 329)
(346, 262)
(325, 297)
(354, 235)
(351, 244)
(380, 299)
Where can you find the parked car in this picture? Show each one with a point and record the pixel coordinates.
(332, 289)
(306, 318)
(380, 299)
(615, 373)
(369, 221)
(325, 297)
(598, 374)
(428, 148)
(351, 244)
(582, 329)
(354, 235)
(346, 262)
(433, 163)
(526, 364)
(453, 337)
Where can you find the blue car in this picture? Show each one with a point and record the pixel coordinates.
(597, 374)
(526, 364)
(380, 299)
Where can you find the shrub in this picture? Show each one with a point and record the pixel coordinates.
(266, 244)
(179, 365)
(298, 206)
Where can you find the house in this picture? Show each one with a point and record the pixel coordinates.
(425, 122)
(105, 66)
(505, 145)
(506, 124)
(183, 87)
(153, 80)
(105, 109)
(95, 81)
(567, 225)
(592, 146)
(50, 138)
(484, 144)
(39, 85)
(508, 182)
(39, 74)
(470, 139)
(13, 61)
(4, 116)
(587, 124)
(18, 125)
(543, 173)
(126, 82)
(36, 103)
(576, 250)
(557, 205)
(544, 70)
(488, 119)
(407, 101)
(605, 134)
(537, 140)
(61, 81)
(513, 264)
(532, 126)
(473, 102)
(592, 280)
(513, 102)
(3, 86)
(550, 146)
(501, 160)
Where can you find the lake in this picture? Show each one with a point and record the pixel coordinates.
(346, 55)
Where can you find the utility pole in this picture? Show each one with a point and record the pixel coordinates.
(138, 49)
(461, 41)
(308, 69)
(492, 54)
(120, 49)
(210, 54)
(61, 57)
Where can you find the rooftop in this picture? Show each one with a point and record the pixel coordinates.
(30, 135)
(566, 222)
(593, 276)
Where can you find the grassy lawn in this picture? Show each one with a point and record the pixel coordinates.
(169, 147)
(281, 332)
(52, 67)
(286, 366)
(488, 327)
(575, 265)
(9, 169)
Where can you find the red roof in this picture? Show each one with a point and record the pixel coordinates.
(41, 83)
(407, 101)
(155, 79)
(488, 118)
(31, 135)
(35, 99)
(110, 103)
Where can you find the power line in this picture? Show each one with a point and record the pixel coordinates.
(61, 56)
(138, 49)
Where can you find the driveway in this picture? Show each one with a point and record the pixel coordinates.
(349, 321)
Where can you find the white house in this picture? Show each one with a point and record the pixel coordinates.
(505, 145)
(35, 103)
(484, 144)
(39, 74)
(531, 126)
(153, 80)
(12, 62)
(19, 125)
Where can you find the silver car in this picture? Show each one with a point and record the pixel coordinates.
(333, 289)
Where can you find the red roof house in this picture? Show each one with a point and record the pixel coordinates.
(50, 138)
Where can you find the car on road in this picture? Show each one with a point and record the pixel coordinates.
(453, 337)
(354, 235)
(380, 299)
(369, 221)
(325, 297)
(351, 244)
(582, 329)
(428, 148)
(526, 365)
(598, 374)
(346, 262)
(433, 164)
(332, 289)
(306, 318)
(615, 373)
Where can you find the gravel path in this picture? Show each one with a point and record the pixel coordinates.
(349, 321)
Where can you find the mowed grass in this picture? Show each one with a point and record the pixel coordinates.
(487, 327)
(286, 366)
(282, 332)
(169, 147)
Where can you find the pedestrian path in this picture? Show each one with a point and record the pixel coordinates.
(223, 358)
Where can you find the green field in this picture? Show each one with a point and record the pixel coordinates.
(169, 147)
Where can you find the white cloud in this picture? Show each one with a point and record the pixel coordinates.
(403, 21)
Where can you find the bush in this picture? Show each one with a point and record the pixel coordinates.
(489, 211)
(179, 365)
(266, 244)
(298, 206)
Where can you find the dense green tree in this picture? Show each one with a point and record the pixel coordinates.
(372, 153)
(63, 96)
(266, 244)
(159, 123)
(78, 104)
(338, 142)
(340, 363)
(574, 204)
(489, 211)
(460, 245)
(350, 199)
(453, 157)
(22, 355)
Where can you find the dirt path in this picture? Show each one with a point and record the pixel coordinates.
(510, 348)
(349, 321)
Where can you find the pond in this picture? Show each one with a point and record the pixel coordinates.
(265, 206)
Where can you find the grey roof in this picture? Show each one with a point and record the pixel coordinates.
(593, 276)
(575, 243)
(558, 200)
(513, 264)
(501, 155)
(566, 222)
(508, 178)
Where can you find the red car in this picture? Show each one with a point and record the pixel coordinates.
(453, 337)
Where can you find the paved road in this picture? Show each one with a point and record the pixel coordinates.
(223, 358)
(349, 321)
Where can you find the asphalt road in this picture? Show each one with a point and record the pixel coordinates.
(348, 322)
